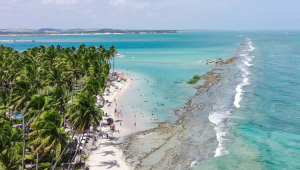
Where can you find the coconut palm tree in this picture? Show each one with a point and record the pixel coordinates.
(11, 157)
(9, 67)
(111, 52)
(74, 68)
(92, 86)
(49, 135)
(35, 108)
(4, 101)
(84, 113)
(31, 71)
(10, 148)
(57, 70)
(21, 95)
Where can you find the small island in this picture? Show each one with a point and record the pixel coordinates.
(94, 31)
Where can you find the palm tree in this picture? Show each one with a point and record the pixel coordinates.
(9, 67)
(74, 67)
(57, 70)
(92, 86)
(112, 51)
(84, 113)
(31, 71)
(50, 135)
(35, 108)
(4, 101)
(10, 158)
(21, 95)
(10, 148)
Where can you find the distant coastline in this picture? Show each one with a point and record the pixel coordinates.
(50, 31)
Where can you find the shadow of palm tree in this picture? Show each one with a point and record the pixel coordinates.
(106, 144)
(109, 153)
(110, 164)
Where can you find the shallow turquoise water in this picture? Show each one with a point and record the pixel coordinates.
(263, 133)
(153, 59)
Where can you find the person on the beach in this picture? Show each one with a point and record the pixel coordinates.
(115, 110)
(107, 135)
(120, 123)
(135, 124)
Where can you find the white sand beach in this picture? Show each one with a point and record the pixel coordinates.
(108, 156)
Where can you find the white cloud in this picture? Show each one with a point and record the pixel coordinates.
(129, 4)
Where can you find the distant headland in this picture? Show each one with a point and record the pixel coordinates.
(51, 31)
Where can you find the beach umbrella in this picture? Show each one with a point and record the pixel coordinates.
(110, 119)
(112, 124)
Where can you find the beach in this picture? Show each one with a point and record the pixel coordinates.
(249, 117)
(108, 155)
(169, 145)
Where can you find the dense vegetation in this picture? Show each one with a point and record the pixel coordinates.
(194, 80)
(53, 87)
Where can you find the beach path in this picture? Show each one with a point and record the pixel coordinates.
(108, 156)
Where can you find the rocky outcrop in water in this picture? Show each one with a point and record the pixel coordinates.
(181, 144)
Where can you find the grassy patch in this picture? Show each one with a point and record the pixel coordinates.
(211, 78)
(194, 80)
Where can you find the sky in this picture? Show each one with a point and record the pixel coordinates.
(151, 14)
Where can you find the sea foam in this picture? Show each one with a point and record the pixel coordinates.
(220, 114)
(245, 72)
(218, 118)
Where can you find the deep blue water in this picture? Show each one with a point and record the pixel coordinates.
(263, 131)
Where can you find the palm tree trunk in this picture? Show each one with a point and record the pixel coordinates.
(59, 156)
(52, 157)
(23, 165)
(113, 65)
(76, 85)
(37, 161)
(72, 92)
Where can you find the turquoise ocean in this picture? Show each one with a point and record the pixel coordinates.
(263, 131)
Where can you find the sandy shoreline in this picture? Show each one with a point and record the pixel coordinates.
(108, 156)
(187, 141)
(170, 145)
